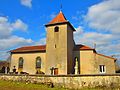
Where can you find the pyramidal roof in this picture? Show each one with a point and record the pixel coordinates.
(60, 18)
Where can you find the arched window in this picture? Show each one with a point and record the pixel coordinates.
(21, 60)
(38, 62)
(56, 29)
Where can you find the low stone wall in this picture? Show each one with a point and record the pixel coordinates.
(69, 81)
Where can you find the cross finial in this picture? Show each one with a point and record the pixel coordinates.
(61, 7)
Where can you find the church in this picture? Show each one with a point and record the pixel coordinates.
(60, 55)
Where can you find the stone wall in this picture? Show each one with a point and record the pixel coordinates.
(69, 81)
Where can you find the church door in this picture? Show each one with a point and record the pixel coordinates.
(55, 71)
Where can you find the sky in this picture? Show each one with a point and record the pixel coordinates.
(97, 23)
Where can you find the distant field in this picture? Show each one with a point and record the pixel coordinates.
(9, 85)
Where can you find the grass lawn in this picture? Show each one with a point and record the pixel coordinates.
(10, 85)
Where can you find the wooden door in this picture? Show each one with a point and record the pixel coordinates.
(56, 71)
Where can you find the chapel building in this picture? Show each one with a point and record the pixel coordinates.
(60, 55)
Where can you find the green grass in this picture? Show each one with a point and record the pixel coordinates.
(10, 85)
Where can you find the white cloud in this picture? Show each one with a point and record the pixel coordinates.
(13, 41)
(7, 39)
(42, 41)
(106, 43)
(4, 55)
(19, 24)
(105, 16)
(3, 19)
(79, 30)
(27, 3)
(90, 38)
(114, 48)
(6, 28)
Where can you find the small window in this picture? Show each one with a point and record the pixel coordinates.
(102, 68)
(56, 29)
(55, 45)
(21, 60)
(38, 62)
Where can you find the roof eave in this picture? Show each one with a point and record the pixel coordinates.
(60, 23)
(28, 51)
(84, 49)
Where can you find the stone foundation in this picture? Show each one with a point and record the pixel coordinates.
(68, 81)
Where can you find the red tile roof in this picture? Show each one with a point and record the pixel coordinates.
(43, 48)
(59, 19)
(82, 47)
(29, 49)
(106, 56)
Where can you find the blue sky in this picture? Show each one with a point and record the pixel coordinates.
(96, 22)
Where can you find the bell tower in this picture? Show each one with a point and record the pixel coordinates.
(59, 46)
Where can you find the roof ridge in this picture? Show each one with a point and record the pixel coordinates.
(85, 45)
(29, 48)
(82, 47)
(33, 46)
(106, 56)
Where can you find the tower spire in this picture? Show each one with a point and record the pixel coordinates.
(61, 5)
